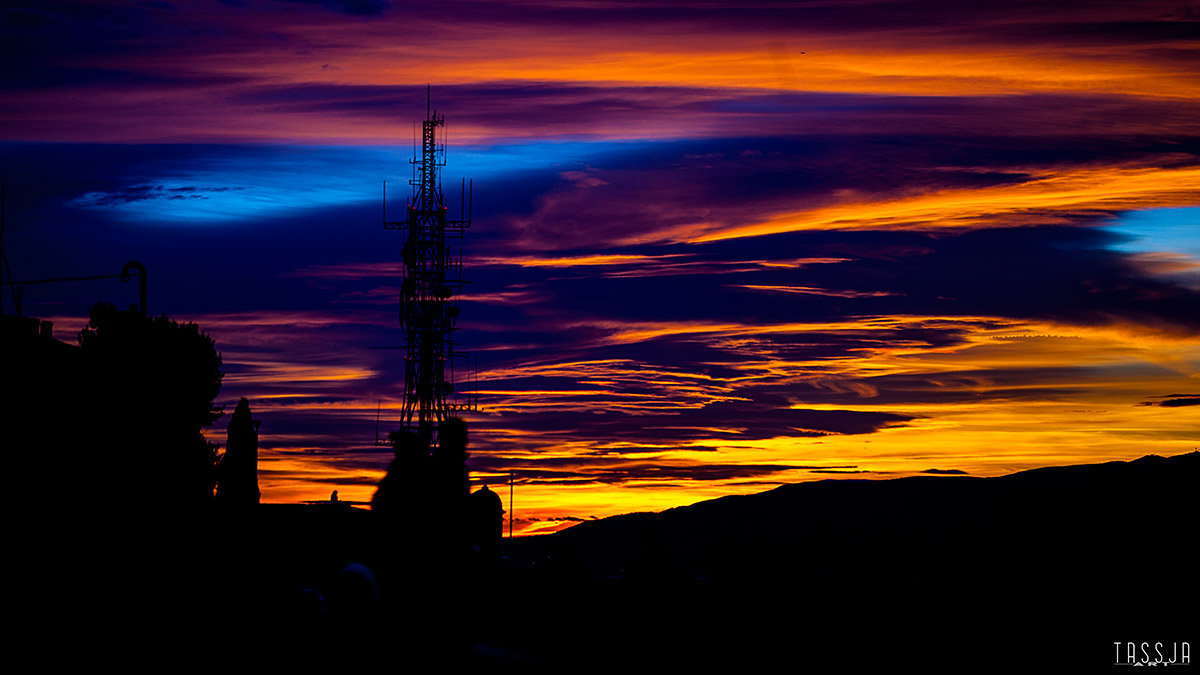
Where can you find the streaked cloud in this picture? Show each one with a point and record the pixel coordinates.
(809, 290)
(1175, 400)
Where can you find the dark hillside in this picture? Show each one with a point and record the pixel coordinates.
(1052, 566)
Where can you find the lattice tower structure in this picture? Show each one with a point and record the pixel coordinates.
(431, 283)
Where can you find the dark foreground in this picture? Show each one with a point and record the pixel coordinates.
(1045, 568)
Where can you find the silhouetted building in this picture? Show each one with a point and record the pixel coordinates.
(237, 474)
(33, 362)
(41, 395)
(486, 516)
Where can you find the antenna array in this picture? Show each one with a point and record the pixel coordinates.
(431, 283)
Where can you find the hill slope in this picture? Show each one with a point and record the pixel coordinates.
(1052, 565)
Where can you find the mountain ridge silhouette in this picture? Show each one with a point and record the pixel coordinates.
(1049, 566)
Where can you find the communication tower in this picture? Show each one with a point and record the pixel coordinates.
(432, 281)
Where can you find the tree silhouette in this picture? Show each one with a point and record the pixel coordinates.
(421, 509)
(401, 491)
(151, 382)
(237, 472)
(428, 487)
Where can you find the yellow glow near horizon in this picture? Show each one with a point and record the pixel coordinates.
(1090, 413)
(1079, 399)
(1005, 395)
(290, 477)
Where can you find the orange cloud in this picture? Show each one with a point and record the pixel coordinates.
(1052, 196)
(809, 290)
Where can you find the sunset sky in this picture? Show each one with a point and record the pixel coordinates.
(717, 246)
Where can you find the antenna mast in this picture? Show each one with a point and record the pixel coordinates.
(431, 281)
